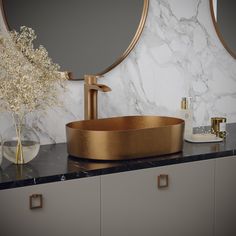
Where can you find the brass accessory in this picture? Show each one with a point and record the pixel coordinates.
(218, 126)
(218, 30)
(162, 181)
(122, 138)
(36, 201)
(184, 103)
(91, 88)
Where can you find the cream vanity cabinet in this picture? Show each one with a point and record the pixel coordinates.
(225, 196)
(69, 208)
(133, 204)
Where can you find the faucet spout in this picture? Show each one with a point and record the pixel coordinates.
(91, 88)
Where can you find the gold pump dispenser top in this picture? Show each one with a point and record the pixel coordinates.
(184, 103)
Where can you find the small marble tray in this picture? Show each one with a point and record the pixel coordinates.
(203, 138)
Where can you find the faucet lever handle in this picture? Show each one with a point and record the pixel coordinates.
(104, 88)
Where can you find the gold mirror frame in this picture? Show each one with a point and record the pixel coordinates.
(122, 57)
(217, 29)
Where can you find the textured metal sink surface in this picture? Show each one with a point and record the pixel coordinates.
(127, 137)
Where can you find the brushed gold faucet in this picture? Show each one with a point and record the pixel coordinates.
(91, 88)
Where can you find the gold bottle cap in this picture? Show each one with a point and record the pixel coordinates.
(184, 103)
(218, 126)
(218, 119)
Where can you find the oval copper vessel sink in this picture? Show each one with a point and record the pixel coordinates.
(122, 138)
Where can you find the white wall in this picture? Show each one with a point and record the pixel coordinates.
(178, 55)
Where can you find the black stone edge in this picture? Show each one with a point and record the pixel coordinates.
(128, 166)
(48, 179)
(164, 162)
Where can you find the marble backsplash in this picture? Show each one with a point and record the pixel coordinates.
(178, 54)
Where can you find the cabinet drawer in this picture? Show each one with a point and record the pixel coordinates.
(132, 203)
(68, 208)
(225, 196)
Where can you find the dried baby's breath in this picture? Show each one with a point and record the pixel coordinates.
(29, 80)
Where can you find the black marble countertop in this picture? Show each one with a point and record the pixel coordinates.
(53, 164)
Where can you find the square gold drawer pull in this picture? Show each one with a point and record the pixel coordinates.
(163, 181)
(36, 201)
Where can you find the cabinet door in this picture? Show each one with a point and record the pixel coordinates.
(69, 208)
(132, 204)
(225, 197)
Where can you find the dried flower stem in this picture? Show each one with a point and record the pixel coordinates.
(19, 149)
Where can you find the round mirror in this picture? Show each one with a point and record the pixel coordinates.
(82, 36)
(224, 19)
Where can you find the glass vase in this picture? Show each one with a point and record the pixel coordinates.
(20, 143)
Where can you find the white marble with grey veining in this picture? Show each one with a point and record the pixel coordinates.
(178, 54)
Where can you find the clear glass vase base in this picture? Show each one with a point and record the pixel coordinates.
(20, 143)
(30, 150)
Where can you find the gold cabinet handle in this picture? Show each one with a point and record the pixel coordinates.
(162, 181)
(36, 201)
